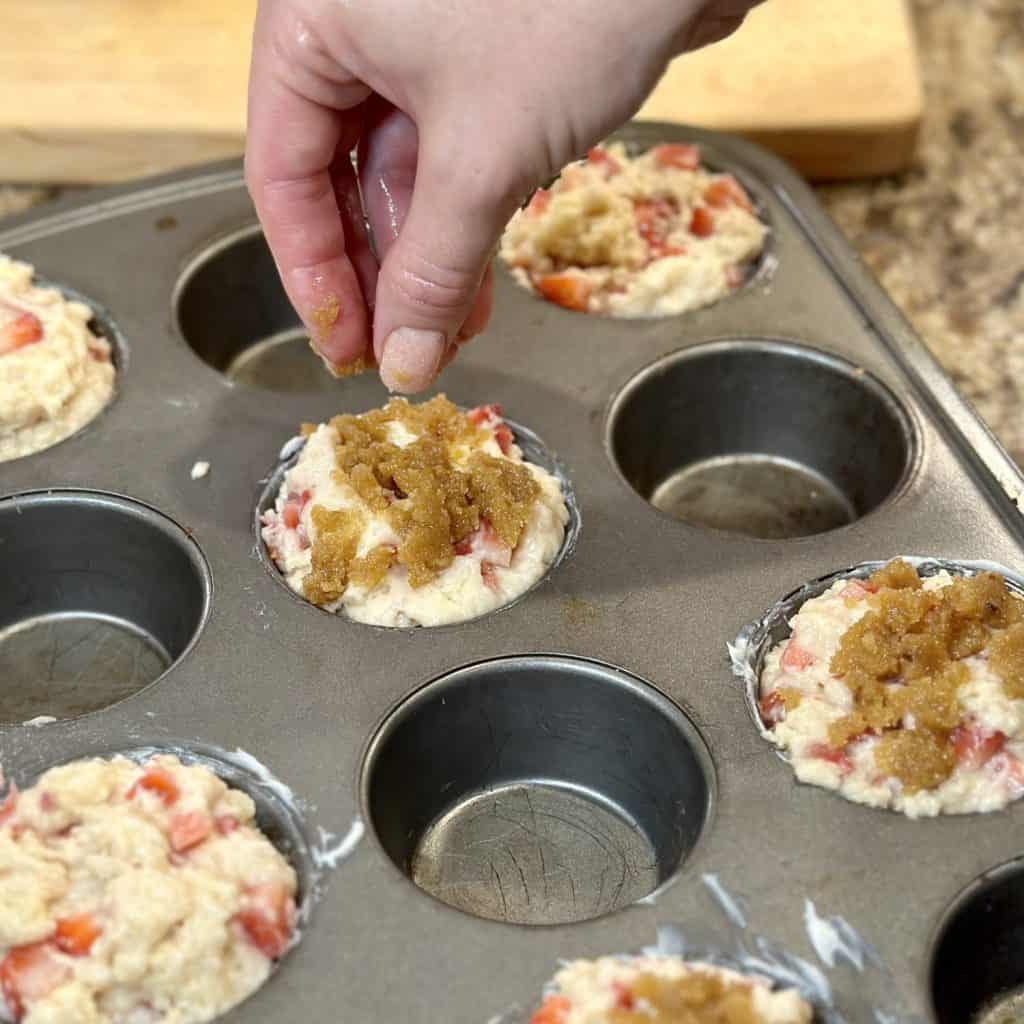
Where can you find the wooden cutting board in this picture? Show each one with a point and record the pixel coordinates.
(114, 89)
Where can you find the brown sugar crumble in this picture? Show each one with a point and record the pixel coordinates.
(436, 492)
(905, 657)
(697, 998)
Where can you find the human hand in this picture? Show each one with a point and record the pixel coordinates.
(457, 109)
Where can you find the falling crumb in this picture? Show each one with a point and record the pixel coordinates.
(199, 470)
(578, 612)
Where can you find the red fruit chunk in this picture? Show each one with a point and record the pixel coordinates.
(566, 290)
(734, 276)
(226, 824)
(24, 329)
(484, 413)
(772, 708)
(974, 747)
(539, 201)
(623, 997)
(727, 191)
(554, 1010)
(654, 218)
(503, 435)
(833, 755)
(159, 781)
(29, 973)
(677, 154)
(490, 576)
(602, 158)
(795, 658)
(267, 918)
(75, 935)
(702, 224)
(188, 830)
(9, 803)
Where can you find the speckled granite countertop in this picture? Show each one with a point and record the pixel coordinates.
(947, 239)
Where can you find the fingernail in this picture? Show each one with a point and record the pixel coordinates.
(411, 359)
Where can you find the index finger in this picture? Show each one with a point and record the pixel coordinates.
(291, 144)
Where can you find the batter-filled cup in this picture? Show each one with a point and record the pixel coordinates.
(898, 685)
(648, 989)
(136, 892)
(415, 515)
(56, 375)
(651, 234)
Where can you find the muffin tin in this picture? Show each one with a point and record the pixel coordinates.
(583, 759)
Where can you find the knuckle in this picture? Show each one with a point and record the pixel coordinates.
(433, 287)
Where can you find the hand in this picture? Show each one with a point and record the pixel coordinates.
(458, 109)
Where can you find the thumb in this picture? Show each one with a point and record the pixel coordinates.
(430, 276)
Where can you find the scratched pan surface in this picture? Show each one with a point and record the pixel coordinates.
(542, 790)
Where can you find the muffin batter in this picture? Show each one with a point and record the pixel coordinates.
(136, 894)
(651, 235)
(55, 374)
(904, 692)
(669, 990)
(414, 515)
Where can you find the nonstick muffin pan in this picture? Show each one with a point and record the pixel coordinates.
(583, 760)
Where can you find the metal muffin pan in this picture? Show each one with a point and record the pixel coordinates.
(810, 351)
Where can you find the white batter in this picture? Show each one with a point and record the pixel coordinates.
(477, 580)
(55, 374)
(651, 235)
(989, 773)
(136, 894)
(587, 991)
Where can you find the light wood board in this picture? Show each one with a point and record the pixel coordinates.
(108, 90)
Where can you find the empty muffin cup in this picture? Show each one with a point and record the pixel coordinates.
(977, 963)
(763, 438)
(103, 594)
(573, 790)
(232, 311)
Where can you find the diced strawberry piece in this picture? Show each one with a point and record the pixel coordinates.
(974, 746)
(854, 591)
(490, 576)
(623, 996)
(702, 224)
(727, 191)
(159, 781)
(602, 158)
(554, 1010)
(654, 218)
(503, 435)
(734, 275)
(567, 290)
(464, 546)
(75, 935)
(772, 708)
(539, 201)
(795, 658)
(1011, 770)
(19, 331)
(226, 824)
(29, 973)
(484, 413)
(833, 755)
(292, 512)
(188, 830)
(267, 918)
(494, 549)
(677, 154)
(9, 803)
